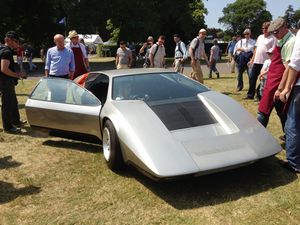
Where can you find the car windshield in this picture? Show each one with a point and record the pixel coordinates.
(155, 87)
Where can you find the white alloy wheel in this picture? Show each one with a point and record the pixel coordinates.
(106, 144)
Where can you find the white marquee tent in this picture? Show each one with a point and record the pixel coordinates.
(89, 39)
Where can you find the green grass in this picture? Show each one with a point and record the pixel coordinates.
(57, 181)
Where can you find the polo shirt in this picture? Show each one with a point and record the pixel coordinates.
(287, 45)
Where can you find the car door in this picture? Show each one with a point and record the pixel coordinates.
(61, 104)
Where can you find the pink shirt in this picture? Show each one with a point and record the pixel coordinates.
(263, 44)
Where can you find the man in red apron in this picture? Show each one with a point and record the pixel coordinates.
(81, 59)
(279, 61)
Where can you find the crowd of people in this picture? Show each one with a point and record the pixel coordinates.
(274, 59)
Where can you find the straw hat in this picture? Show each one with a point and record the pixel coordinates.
(73, 34)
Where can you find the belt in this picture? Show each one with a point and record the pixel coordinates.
(66, 76)
(178, 57)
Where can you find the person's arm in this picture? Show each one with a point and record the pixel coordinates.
(282, 83)
(142, 50)
(47, 63)
(46, 73)
(117, 60)
(227, 48)
(151, 55)
(184, 50)
(5, 69)
(130, 58)
(85, 57)
(204, 56)
(236, 47)
(164, 58)
(250, 47)
(292, 75)
(253, 57)
(87, 64)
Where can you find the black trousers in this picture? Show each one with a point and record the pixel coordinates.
(255, 71)
(9, 109)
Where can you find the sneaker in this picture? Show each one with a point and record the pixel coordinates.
(21, 123)
(13, 130)
(288, 167)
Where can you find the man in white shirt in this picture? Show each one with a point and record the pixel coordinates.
(264, 42)
(158, 53)
(180, 54)
(292, 126)
(197, 51)
(244, 50)
(81, 59)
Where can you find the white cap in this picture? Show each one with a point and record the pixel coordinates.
(202, 31)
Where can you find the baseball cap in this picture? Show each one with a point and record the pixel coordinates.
(13, 35)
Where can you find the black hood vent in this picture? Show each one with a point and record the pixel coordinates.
(180, 115)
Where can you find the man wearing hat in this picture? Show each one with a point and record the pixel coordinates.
(276, 74)
(197, 51)
(180, 54)
(145, 51)
(8, 78)
(244, 50)
(81, 59)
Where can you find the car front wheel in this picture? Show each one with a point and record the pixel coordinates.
(111, 147)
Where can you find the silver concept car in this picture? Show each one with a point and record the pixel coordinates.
(162, 122)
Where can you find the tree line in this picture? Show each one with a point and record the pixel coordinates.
(131, 20)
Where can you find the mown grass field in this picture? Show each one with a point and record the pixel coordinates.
(46, 180)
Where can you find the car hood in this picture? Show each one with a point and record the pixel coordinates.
(234, 138)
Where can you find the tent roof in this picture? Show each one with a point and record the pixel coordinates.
(89, 38)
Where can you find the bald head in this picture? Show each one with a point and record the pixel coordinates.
(59, 40)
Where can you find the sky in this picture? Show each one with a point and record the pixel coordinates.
(215, 7)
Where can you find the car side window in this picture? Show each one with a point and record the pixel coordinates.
(63, 91)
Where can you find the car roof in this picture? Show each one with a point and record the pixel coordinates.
(125, 72)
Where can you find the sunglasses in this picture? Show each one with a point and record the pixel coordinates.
(276, 31)
(246, 34)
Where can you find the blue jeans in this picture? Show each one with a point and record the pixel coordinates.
(213, 68)
(264, 118)
(255, 71)
(292, 130)
(241, 71)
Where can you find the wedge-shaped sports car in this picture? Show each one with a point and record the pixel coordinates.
(162, 122)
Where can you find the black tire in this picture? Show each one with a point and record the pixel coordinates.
(111, 147)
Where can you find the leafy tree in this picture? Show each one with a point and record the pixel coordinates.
(292, 17)
(245, 14)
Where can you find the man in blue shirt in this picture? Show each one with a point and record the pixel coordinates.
(60, 60)
(60, 63)
(229, 50)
